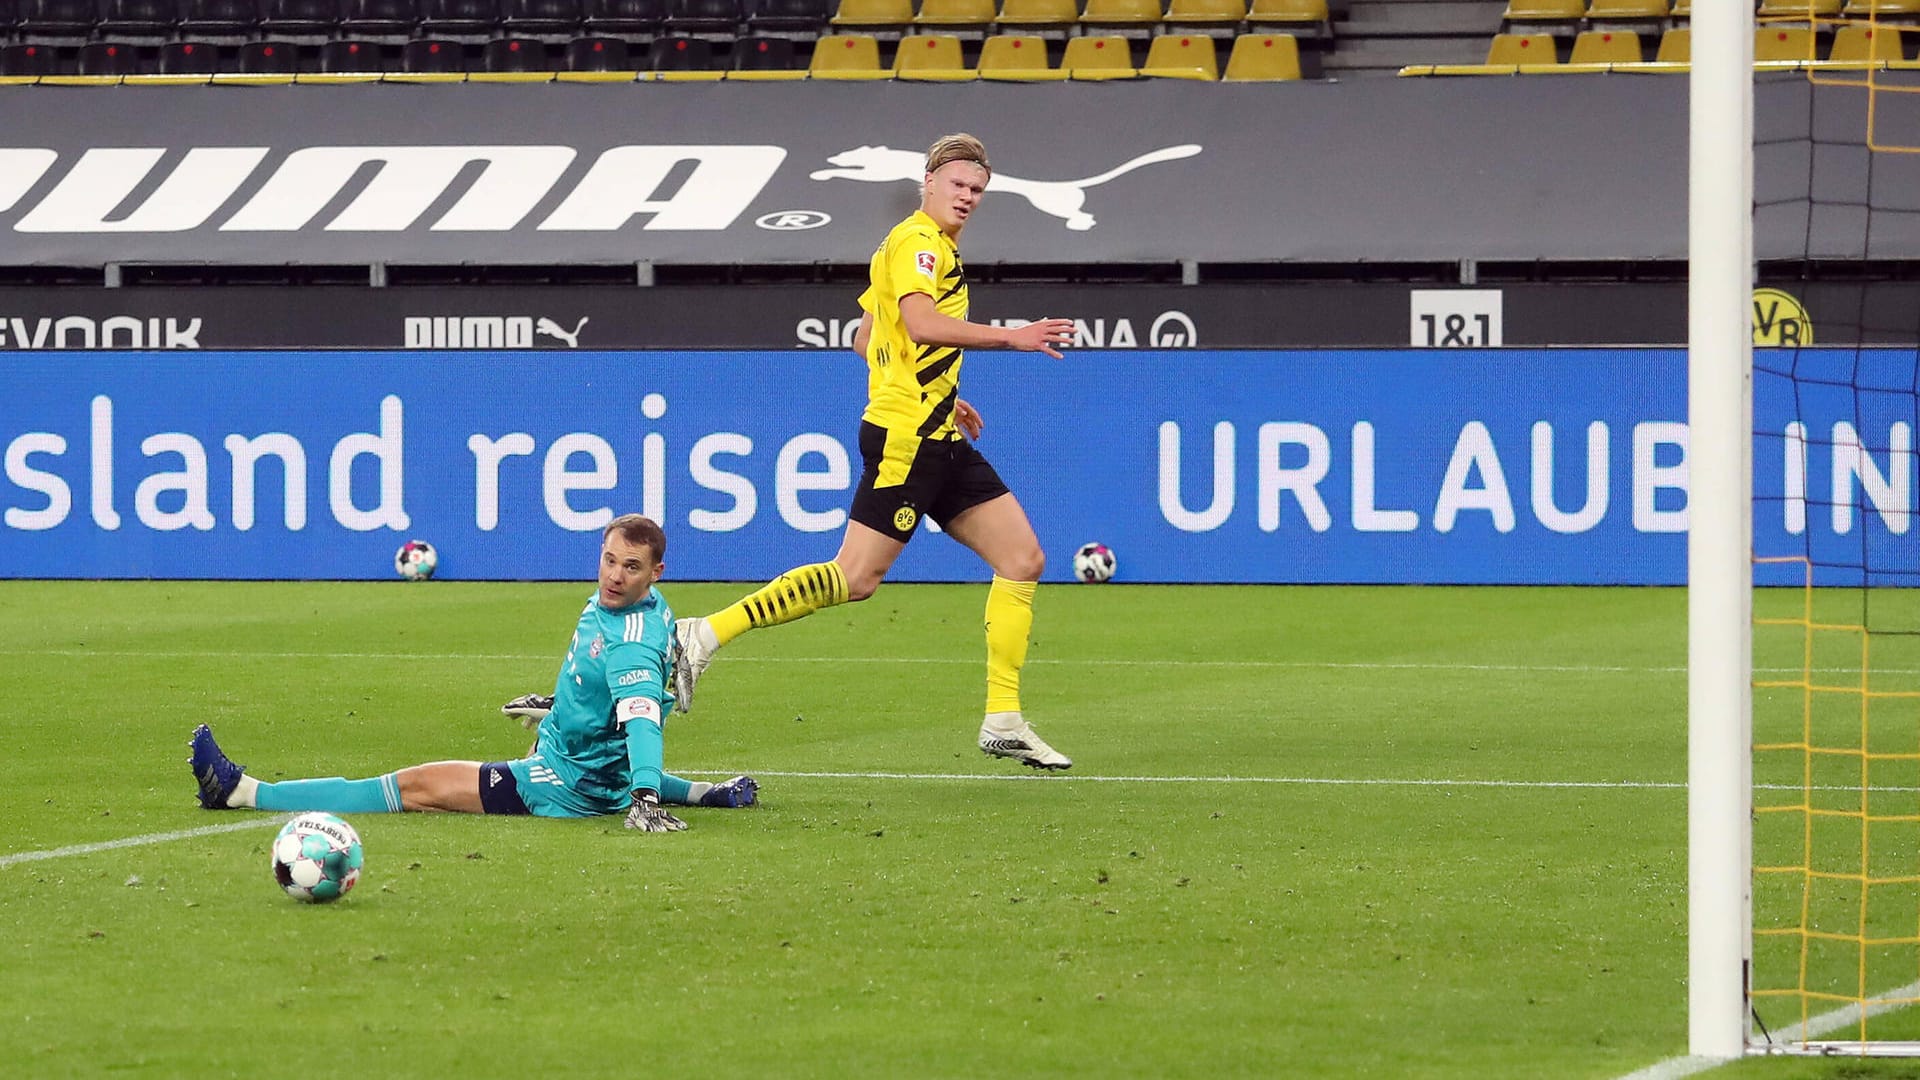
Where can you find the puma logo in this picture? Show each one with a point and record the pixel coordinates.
(552, 329)
(1064, 199)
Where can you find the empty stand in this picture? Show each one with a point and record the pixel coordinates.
(598, 54)
(1298, 16)
(1905, 9)
(1861, 44)
(765, 54)
(548, 19)
(1263, 58)
(1098, 57)
(634, 19)
(1181, 56)
(1521, 49)
(847, 56)
(1129, 18)
(1017, 58)
(930, 57)
(25, 60)
(888, 17)
(58, 19)
(230, 19)
(1786, 9)
(269, 58)
(1048, 18)
(300, 19)
(138, 20)
(108, 58)
(969, 17)
(432, 56)
(712, 19)
(504, 56)
(674, 53)
(459, 20)
(1779, 43)
(1558, 17)
(1676, 47)
(1214, 17)
(342, 57)
(1607, 47)
(190, 58)
(798, 19)
(394, 19)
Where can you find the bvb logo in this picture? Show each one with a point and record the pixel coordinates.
(904, 518)
(1779, 319)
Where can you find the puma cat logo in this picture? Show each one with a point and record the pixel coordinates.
(1064, 199)
(552, 329)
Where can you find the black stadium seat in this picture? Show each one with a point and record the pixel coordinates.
(432, 56)
(625, 18)
(58, 18)
(681, 54)
(469, 19)
(299, 18)
(706, 18)
(562, 18)
(763, 54)
(269, 58)
(189, 58)
(108, 58)
(337, 57)
(29, 59)
(598, 54)
(517, 54)
(148, 19)
(9, 16)
(379, 18)
(804, 19)
(218, 18)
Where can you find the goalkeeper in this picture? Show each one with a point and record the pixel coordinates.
(599, 751)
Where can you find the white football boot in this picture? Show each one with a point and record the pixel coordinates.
(1007, 735)
(694, 646)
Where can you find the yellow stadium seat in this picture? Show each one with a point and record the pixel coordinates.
(1861, 44)
(1682, 9)
(1130, 14)
(1263, 58)
(1626, 10)
(1049, 17)
(1863, 8)
(1206, 12)
(1017, 58)
(1291, 13)
(1787, 9)
(1676, 47)
(931, 57)
(1099, 57)
(1567, 12)
(872, 14)
(973, 14)
(1607, 47)
(847, 56)
(1521, 49)
(1783, 43)
(1182, 56)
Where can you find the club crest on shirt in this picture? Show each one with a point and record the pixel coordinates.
(926, 261)
(598, 646)
(904, 518)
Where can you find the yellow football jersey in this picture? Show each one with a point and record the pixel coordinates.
(911, 388)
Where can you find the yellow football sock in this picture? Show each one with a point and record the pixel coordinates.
(1009, 621)
(795, 594)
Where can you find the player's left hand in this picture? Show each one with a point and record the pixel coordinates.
(647, 815)
(968, 417)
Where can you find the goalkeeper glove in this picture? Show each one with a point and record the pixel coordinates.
(530, 709)
(647, 815)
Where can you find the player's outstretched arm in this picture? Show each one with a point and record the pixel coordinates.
(927, 326)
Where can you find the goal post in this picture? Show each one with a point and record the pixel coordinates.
(1719, 540)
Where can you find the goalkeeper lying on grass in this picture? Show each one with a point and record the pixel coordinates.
(598, 751)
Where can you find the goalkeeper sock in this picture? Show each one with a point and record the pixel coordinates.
(678, 792)
(341, 796)
(1009, 621)
(795, 594)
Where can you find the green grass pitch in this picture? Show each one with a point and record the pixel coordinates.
(1309, 832)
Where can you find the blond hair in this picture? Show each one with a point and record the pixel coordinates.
(959, 146)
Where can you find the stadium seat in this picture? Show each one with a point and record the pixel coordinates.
(631, 19)
(299, 18)
(1182, 56)
(432, 56)
(1788, 9)
(1682, 9)
(1861, 9)
(459, 20)
(108, 58)
(269, 58)
(890, 17)
(505, 55)
(714, 19)
(1208, 14)
(58, 19)
(1558, 17)
(1135, 18)
(1606, 47)
(1047, 18)
(1521, 49)
(1626, 10)
(190, 58)
(1864, 44)
(9, 16)
(765, 54)
(1263, 58)
(969, 17)
(379, 18)
(148, 20)
(1098, 57)
(543, 18)
(847, 56)
(598, 54)
(672, 53)
(931, 57)
(338, 57)
(800, 19)
(218, 18)
(1298, 16)
(1783, 43)
(32, 58)
(1017, 58)
(1676, 47)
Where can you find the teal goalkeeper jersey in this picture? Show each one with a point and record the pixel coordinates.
(614, 655)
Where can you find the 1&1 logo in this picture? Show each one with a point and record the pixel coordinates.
(1779, 319)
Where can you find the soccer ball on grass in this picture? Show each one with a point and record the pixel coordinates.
(1094, 563)
(317, 857)
(416, 560)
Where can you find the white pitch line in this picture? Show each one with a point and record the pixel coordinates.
(1815, 1026)
(138, 841)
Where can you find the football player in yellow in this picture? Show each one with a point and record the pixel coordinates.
(919, 460)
